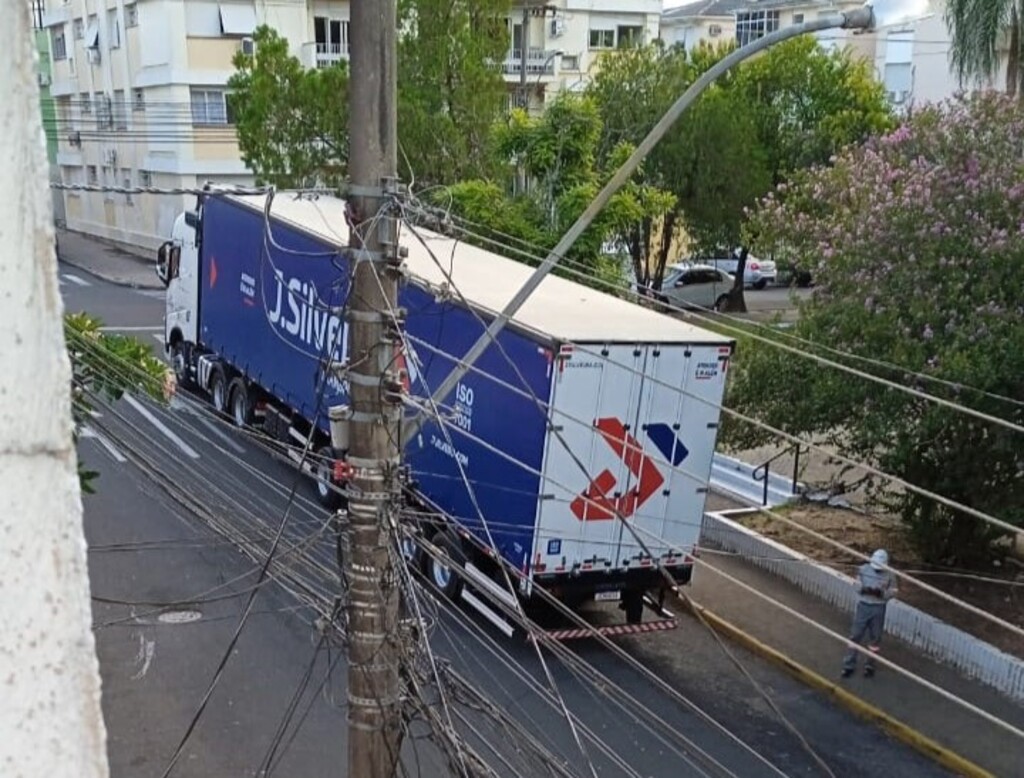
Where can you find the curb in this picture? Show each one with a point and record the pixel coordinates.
(110, 279)
(865, 710)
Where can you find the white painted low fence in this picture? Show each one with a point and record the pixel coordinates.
(973, 657)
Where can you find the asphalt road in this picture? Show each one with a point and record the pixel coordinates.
(175, 480)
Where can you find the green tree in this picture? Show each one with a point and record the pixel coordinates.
(793, 106)
(106, 365)
(451, 90)
(292, 121)
(916, 239)
(557, 152)
(977, 29)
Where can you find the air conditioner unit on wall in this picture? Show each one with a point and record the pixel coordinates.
(44, 79)
(93, 55)
(248, 46)
(558, 27)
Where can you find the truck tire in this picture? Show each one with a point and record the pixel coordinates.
(181, 360)
(633, 604)
(441, 574)
(218, 391)
(241, 403)
(324, 472)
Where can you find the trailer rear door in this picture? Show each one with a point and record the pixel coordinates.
(642, 420)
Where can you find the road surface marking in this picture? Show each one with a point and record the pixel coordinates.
(156, 328)
(144, 412)
(89, 432)
(145, 656)
(75, 279)
(211, 426)
(159, 338)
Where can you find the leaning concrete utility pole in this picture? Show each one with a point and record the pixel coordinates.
(50, 717)
(374, 714)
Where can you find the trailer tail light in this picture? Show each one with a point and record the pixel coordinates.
(343, 471)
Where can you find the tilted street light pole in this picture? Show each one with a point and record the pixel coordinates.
(872, 15)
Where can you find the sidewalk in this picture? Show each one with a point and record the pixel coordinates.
(111, 263)
(947, 723)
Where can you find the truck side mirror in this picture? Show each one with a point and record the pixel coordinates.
(161, 262)
(168, 257)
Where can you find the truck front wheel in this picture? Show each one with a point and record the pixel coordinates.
(181, 358)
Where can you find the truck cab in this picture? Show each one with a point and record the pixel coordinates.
(177, 266)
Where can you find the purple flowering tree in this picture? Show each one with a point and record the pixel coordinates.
(917, 241)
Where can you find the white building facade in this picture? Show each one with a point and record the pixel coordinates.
(141, 98)
(563, 41)
(912, 61)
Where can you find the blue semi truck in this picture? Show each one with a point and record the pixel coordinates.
(255, 317)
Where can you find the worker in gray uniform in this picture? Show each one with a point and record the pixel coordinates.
(876, 585)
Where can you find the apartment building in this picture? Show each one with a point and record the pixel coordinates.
(141, 100)
(558, 44)
(912, 61)
(710, 21)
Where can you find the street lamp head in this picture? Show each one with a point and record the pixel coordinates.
(877, 14)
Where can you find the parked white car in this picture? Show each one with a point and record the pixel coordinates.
(694, 286)
(757, 273)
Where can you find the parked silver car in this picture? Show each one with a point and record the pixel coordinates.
(757, 273)
(694, 286)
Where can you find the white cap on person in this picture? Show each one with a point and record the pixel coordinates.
(880, 559)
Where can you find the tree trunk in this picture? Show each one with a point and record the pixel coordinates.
(737, 303)
(664, 246)
(50, 717)
(1013, 60)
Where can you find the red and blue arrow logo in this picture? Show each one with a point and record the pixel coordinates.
(595, 504)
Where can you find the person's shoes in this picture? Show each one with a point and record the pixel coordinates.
(869, 672)
(847, 672)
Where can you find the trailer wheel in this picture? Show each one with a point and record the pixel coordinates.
(439, 567)
(219, 391)
(326, 487)
(241, 405)
(633, 604)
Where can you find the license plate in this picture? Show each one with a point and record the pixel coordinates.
(604, 596)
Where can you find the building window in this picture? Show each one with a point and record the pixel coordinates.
(629, 37)
(798, 18)
(131, 15)
(210, 106)
(120, 110)
(78, 28)
(126, 182)
(138, 100)
(114, 28)
(145, 178)
(602, 39)
(752, 25)
(85, 102)
(58, 44)
(331, 36)
(91, 177)
(571, 62)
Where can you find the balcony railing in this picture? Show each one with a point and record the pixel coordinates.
(323, 55)
(539, 62)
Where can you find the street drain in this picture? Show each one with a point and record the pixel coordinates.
(179, 617)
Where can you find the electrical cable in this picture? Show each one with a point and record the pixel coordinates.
(880, 380)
